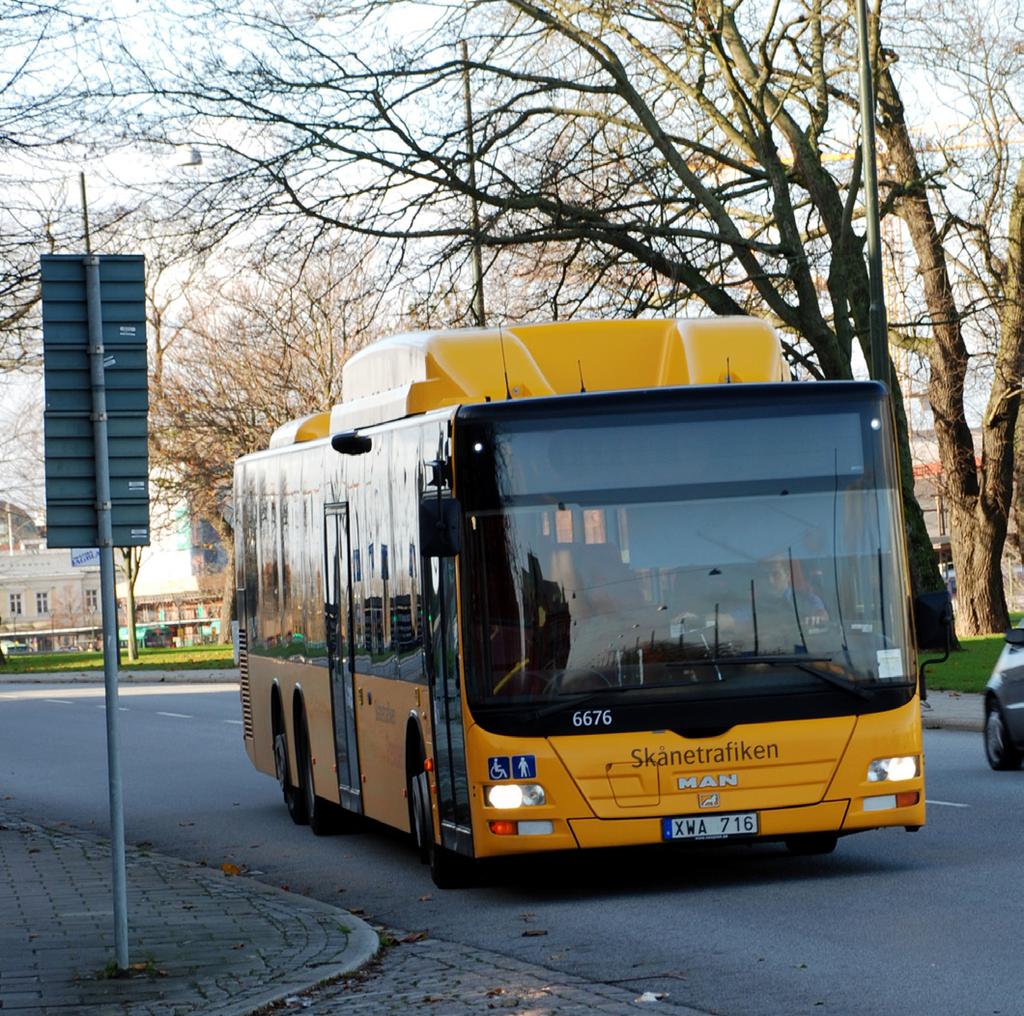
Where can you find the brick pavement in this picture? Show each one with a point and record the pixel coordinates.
(207, 942)
(446, 979)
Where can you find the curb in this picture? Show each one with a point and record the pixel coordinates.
(228, 675)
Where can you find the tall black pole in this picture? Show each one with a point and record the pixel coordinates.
(478, 268)
(878, 328)
(108, 592)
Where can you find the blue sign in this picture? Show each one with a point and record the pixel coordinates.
(85, 557)
(524, 767)
(497, 767)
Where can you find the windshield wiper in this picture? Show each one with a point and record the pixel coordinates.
(798, 660)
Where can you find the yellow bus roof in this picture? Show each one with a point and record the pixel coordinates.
(419, 371)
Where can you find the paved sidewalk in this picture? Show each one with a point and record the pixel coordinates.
(204, 942)
(953, 710)
(201, 941)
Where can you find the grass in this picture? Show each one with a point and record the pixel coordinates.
(968, 668)
(206, 657)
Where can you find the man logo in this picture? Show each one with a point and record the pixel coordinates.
(708, 800)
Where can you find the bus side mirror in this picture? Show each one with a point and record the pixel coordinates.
(1015, 636)
(440, 519)
(933, 620)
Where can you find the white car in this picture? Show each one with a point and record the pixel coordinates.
(1004, 705)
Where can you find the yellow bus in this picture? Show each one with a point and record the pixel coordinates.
(574, 585)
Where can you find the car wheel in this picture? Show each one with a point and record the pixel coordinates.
(999, 747)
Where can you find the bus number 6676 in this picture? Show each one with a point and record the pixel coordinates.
(592, 718)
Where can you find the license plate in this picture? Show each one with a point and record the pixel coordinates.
(710, 827)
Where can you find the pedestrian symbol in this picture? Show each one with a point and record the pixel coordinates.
(524, 767)
(497, 767)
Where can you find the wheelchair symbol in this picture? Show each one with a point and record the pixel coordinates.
(497, 767)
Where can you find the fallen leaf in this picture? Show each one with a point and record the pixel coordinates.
(533, 933)
(356, 910)
(285, 888)
(231, 869)
(494, 992)
(414, 936)
(423, 899)
(241, 945)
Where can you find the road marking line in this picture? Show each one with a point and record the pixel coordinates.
(60, 701)
(177, 716)
(946, 804)
(237, 722)
(124, 690)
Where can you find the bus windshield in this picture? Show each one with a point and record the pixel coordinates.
(753, 547)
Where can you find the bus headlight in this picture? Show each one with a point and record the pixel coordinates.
(515, 795)
(903, 767)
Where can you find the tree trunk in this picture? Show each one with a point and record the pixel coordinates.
(978, 494)
(227, 603)
(130, 557)
(977, 558)
(226, 533)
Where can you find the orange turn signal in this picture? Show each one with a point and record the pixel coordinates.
(906, 798)
(504, 827)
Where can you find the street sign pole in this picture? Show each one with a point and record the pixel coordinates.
(108, 599)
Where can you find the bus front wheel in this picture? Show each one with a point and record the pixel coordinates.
(320, 814)
(448, 870)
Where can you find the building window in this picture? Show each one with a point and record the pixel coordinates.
(42, 603)
(16, 604)
(92, 600)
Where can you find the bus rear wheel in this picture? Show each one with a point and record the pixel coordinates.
(293, 797)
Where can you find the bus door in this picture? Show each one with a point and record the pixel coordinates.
(338, 627)
(446, 703)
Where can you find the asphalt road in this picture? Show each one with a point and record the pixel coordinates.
(891, 923)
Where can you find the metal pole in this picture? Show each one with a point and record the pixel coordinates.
(474, 211)
(108, 601)
(876, 313)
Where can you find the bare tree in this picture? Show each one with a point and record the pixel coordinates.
(967, 239)
(654, 157)
(247, 356)
(42, 112)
